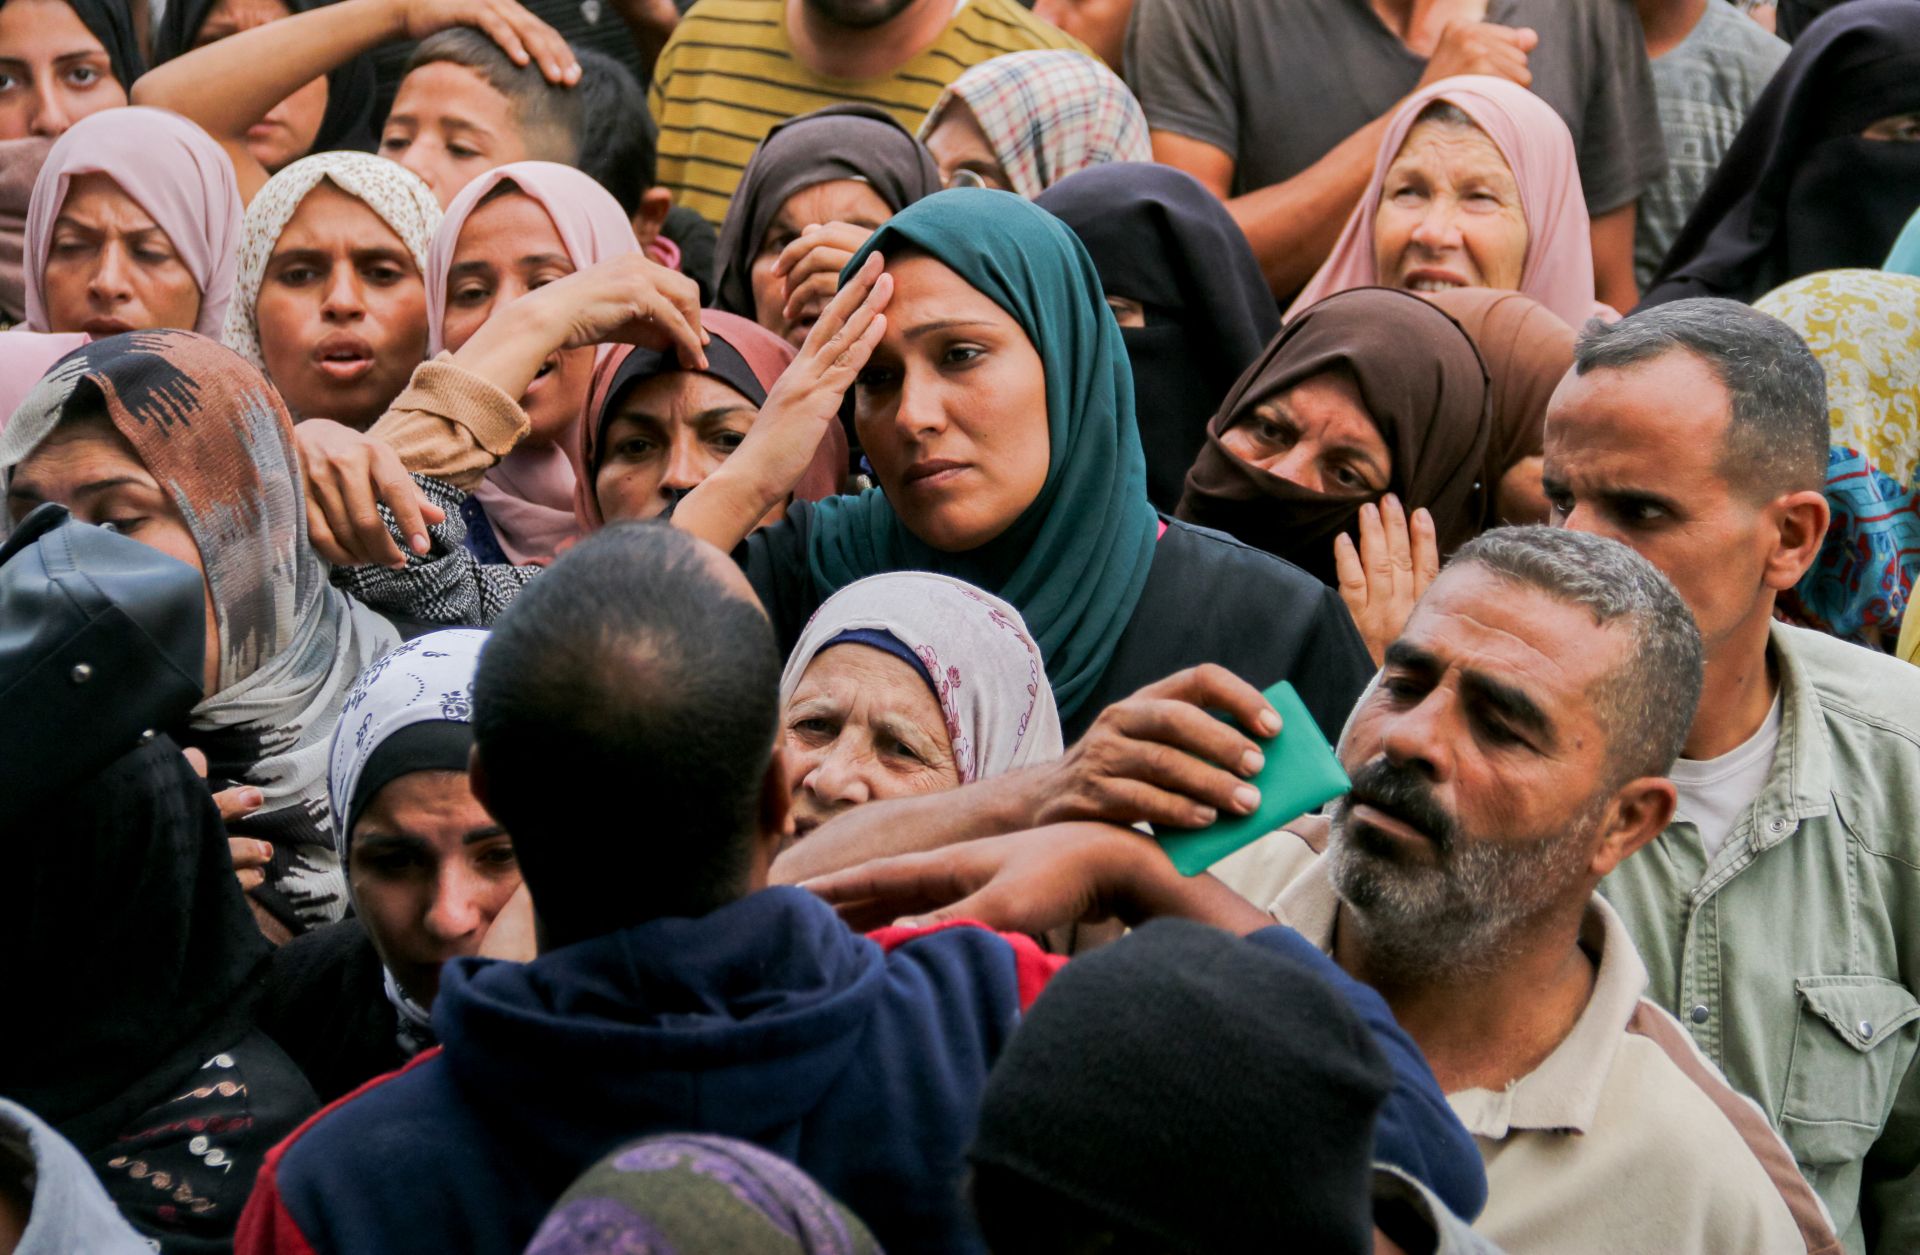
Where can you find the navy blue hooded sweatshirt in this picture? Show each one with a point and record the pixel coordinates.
(861, 1059)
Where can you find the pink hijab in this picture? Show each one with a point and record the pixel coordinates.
(528, 497)
(1538, 149)
(764, 356)
(175, 172)
(26, 356)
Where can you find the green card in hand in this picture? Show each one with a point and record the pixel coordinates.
(1301, 774)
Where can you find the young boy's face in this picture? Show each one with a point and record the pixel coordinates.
(449, 126)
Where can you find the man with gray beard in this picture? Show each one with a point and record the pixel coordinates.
(1511, 754)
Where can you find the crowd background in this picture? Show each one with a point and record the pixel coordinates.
(605, 604)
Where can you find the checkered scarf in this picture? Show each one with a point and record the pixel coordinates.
(1049, 114)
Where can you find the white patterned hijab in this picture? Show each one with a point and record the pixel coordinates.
(396, 193)
(429, 679)
(974, 649)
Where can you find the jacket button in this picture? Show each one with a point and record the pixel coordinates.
(1865, 1028)
(81, 673)
(1777, 825)
(1699, 1014)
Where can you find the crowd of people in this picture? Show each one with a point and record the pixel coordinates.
(619, 621)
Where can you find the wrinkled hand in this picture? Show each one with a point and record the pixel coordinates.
(348, 474)
(1027, 882)
(1159, 756)
(811, 266)
(250, 857)
(1386, 576)
(522, 36)
(1482, 48)
(628, 299)
(511, 934)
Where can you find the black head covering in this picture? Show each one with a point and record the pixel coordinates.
(1160, 238)
(1794, 16)
(1196, 1089)
(1799, 190)
(112, 24)
(837, 142)
(133, 958)
(348, 122)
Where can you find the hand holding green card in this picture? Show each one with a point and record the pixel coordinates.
(1301, 774)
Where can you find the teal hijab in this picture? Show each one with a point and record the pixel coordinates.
(1075, 561)
(1905, 257)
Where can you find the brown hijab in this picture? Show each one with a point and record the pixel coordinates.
(1528, 350)
(1424, 386)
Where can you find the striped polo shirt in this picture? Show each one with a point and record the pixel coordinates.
(729, 74)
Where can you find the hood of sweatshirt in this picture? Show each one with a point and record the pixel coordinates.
(735, 1022)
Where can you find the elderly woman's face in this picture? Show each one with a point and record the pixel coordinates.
(1450, 214)
(952, 410)
(508, 247)
(342, 311)
(862, 727)
(1316, 434)
(53, 72)
(111, 268)
(430, 869)
(669, 434)
(837, 200)
(90, 468)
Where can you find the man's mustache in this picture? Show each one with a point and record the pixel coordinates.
(1405, 795)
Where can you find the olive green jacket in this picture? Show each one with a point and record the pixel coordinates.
(1793, 957)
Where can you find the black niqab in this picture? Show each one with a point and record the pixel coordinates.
(133, 956)
(1158, 237)
(348, 123)
(1799, 190)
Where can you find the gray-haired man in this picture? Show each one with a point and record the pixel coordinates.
(1779, 915)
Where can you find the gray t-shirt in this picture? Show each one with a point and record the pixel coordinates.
(1278, 83)
(1705, 85)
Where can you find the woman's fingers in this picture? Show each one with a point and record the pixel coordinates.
(359, 522)
(1352, 576)
(681, 328)
(320, 534)
(238, 803)
(844, 306)
(1393, 520)
(248, 853)
(1426, 552)
(404, 498)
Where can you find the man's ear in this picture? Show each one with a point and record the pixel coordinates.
(655, 202)
(1800, 527)
(1641, 811)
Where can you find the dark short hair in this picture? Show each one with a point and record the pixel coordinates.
(1647, 703)
(1445, 113)
(549, 117)
(624, 715)
(615, 145)
(1777, 434)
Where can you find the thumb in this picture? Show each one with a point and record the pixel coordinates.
(1525, 38)
(198, 761)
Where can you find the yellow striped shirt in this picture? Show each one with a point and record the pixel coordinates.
(729, 74)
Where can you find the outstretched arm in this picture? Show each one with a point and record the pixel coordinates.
(229, 85)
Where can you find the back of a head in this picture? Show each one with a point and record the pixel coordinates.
(615, 140)
(625, 711)
(549, 117)
(1777, 437)
(1181, 1090)
(1647, 703)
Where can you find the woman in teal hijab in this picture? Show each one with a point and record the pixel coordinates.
(993, 397)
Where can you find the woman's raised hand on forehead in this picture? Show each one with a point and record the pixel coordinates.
(763, 471)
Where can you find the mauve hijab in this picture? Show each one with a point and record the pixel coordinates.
(1528, 350)
(838, 142)
(173, 170)
(1426, 389)
(528, 497)
(1158, 237)
(741, 354)
(1539, 151)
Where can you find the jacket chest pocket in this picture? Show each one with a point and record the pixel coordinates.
(1852, 1043)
